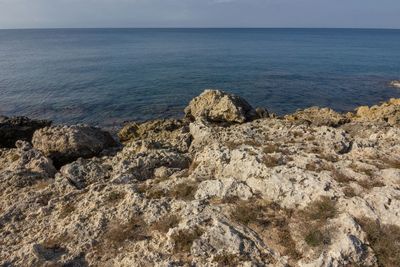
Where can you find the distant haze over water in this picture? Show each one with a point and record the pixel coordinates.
(106, 76)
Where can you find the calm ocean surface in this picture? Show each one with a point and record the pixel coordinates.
(106, 76)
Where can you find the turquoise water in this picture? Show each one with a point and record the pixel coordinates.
(105, 76)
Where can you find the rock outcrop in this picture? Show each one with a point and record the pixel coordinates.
(64, 144)
(166, 133)
(18, 128)
(317, 189)
(218, 106)
(318, 117)
(395, 83)
(386, 112)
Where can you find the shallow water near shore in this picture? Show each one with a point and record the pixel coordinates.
(106, 76)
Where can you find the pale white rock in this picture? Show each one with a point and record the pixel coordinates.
(84, 172)
(390, 176)
(218, 106)
(223, 188)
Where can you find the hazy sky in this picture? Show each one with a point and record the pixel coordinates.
(199, 13)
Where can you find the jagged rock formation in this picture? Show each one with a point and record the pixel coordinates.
(387, 112)
(304, 190)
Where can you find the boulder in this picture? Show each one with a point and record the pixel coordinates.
(65, 144)
(218, 106)
(18, 128)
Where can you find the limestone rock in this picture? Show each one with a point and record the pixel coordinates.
(218, 106)
(65, 144)
(386, 112)
(269, 192)
(84, 172)
(18, 128)
(24, 166)
(168, 133)
(130, 164)
(318, 117)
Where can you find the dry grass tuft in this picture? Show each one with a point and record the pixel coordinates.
(271, 161)
(391, 162)
(66, 210)
(286, 240)
(316, 238)
(183, 239)
(119, 233)
(370, 183)
(340, 177)
(184, 191)
(271, 148)
(318, 166)
(223, 260)
(349, 191)
(225, 200)
(252, 212)
(264, 216)
(114, 197)
(315, 218)
(151, 192)
(321, 210)
(297, 134)
(252, 143)
(166, 223)
(384, 241)
(360, 169)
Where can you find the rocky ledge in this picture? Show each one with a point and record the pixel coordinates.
(228, 185)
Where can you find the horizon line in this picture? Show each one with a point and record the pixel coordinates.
(166, 28)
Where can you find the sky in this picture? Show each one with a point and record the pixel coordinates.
(199, 13)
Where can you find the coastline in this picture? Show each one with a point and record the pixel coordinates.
(226, 185)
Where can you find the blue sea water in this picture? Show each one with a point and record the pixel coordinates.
(106, 76)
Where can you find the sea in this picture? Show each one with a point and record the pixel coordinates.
(107, 76)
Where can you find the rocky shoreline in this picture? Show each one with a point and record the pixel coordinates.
(228, 185)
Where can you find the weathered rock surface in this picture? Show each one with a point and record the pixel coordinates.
(318, 117)
(65, 144)
(167, 133)
(387, 112)
(18, 128)
(23, 166)
(270, 192)
(218, 106)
